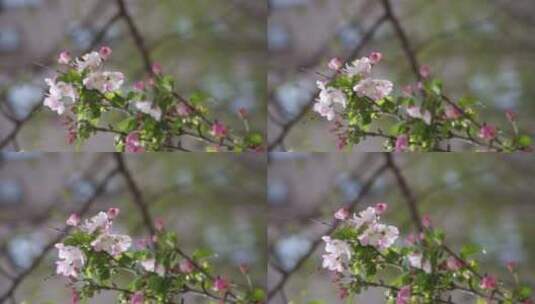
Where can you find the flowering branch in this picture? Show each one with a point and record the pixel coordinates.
(93, 258)
(362, 252)
(154, 117)
(423, 118)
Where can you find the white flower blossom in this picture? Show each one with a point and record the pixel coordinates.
(90, 61)
(419, 113)
(360, 67)
(327, 99)
(98, 222)
(147, 108)
(114, 244)
(379, 236)
(416, 261)
(104, 81)
(60, 94)
(374, 89)
(72, 259)
(338, 251)
(151, 266)
(365, 217)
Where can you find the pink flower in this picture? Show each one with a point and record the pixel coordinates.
(488, 132)
(73, 220)
(220, 284)
(511, 116)
(159, 224)
(452, 112)
(218, 130)
(64, 57)
(402, 143)
(425, 71)
(112, 213)
(404, 295)
(488, 282)
(342, 214)
(426, 221)
(186, 266)
(137, 298)
(139, 86)
(183, 110)
(453, 264)
(133, 143)
(156, 68)
(335, 64)
(75, 297)
(511, 266)
(376, 57)
(380, 208)
(105, 52)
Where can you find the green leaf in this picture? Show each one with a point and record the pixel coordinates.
(470, 250)
(127, 124)
(524, 141)
(254, 139)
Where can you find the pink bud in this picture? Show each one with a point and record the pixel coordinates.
(488, 282)
(511, 116)
(73, 220)
(220, 284)
(488, 132)
(156, 68)
(342, 214)
(105, 52)
(376, 57)
(407, 90)
(186, 266)
(137, 298)
(75, 297)
(139, 86)
(335, 64)
(343, 293)
(402, 143)
(243, 113)
(183, 110)
(64, 57)
(159, 224)
(133, 143)
(380, 208)
(453, 263)
(151, 82)
(511, 266)
(425, 71)
(218, 130)
(244, 268)
(411, 239)
(452, 112)
(112, 213)
(404, 295)
(426, 221)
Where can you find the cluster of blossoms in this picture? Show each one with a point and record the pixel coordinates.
(423, 270)
(332, 101)
(154, 116)
(422, 118)
(92, 255)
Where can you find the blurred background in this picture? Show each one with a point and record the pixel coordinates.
(484, 199)
(480, 48)
(196, 196)
(215, 46)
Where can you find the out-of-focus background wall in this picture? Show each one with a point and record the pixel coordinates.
(486, 199)
(196, 195)
(215, 46)
(480, 48)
